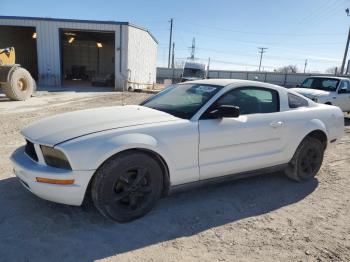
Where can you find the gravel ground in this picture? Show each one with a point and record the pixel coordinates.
(266, 218)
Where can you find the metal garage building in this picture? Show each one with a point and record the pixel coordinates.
(61, 52)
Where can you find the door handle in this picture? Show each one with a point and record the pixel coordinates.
(276, 124)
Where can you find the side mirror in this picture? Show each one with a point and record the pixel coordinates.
(342, 90)
(224, 111)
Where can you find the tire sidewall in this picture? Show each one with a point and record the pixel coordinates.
(22, 73)
(107, 175)
(11, 89)
(294, 170)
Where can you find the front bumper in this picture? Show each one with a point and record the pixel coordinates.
(27, 170)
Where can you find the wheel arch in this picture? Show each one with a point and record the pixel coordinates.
(161, 161)
(315, 128)
(320, 135)
(134, 142)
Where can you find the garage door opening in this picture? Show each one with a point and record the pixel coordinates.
(87, 58)
(23, 39)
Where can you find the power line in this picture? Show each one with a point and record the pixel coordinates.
(234, 54)
(211, 36)
(239, 64)
(189, 22)
(318, 11)
(239, 53)
(294, 50)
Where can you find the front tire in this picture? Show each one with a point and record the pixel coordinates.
(20, 86)
(307, 160)
(127, 186)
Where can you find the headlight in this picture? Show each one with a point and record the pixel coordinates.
(55, 158)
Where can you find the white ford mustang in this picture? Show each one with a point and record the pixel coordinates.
(126, 157)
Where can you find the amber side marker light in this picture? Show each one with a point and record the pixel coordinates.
(55, 181)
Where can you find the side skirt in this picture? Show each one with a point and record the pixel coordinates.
(225, 179)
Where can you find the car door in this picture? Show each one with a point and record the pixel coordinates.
(251, 141)
(343, 96)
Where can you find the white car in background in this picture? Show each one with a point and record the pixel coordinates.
(327, 90)
(127, 157)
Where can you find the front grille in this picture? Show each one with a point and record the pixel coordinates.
(30, 151)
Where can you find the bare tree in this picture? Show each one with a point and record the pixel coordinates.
(288, 69)
(332, 70)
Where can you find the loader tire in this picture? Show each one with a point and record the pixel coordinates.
(20, 86)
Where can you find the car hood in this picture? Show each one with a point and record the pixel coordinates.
(63, 127)
(308, 92)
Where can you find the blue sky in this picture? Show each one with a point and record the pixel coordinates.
(227, 31)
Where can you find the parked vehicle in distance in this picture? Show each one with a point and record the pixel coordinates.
(127, 157)
(193, 71)
(327, 90)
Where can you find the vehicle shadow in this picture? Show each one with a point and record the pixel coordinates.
(37, 229)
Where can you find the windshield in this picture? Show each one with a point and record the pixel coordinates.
(183, 100)
(191, 72)
(326, 84)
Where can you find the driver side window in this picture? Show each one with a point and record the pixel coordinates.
(251, 100)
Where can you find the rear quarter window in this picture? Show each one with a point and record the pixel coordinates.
(295, 101)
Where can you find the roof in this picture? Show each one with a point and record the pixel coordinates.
(330, 77)
(226, 82)
(49, 19)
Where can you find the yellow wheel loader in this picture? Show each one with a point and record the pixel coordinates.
(15, 81)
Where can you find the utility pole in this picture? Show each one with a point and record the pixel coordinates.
(193, 48)
(173, 57)
(305, 66)
(261, 51)
(173, 62)
(171, 36)
(345, 53)
(347, 11)
(208, 67)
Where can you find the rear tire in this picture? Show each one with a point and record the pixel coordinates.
(307, 160)
(127, 186)
(21, 85)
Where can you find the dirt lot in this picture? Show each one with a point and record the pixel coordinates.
(266, 218)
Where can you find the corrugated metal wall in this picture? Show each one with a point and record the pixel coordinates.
(142, 59)
(48, 49)
(287, 80)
